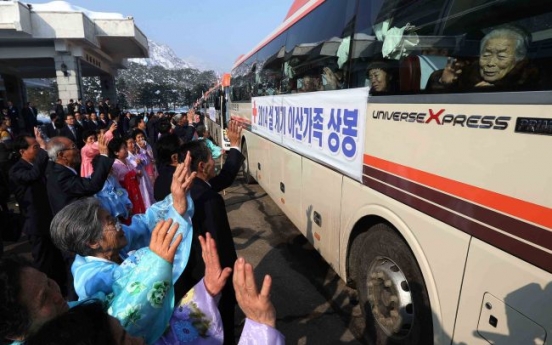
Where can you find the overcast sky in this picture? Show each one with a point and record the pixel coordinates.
(214, 32)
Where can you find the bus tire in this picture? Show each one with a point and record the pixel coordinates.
(248, 179)
(391, 289)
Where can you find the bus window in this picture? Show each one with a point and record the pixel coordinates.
(243, 80)
(269, 67)
(317, 49)
(506, 51)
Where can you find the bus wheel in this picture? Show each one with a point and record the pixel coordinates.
(248, 179)
(391, 290)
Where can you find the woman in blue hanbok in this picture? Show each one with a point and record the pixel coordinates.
(130, 269)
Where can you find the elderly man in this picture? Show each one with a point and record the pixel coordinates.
(502, 63)
(64, 184)
(210, 216)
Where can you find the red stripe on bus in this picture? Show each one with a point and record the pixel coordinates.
(511, 225)
(274, 35)
(515, 247)
(512, 206)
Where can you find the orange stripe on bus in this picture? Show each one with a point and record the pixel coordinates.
(516, 207)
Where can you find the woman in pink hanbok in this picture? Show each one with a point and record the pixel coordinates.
(138, 161)
(91, 150)
(126, 174)
(145, 149)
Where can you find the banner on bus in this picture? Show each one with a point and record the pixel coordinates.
(327, 126)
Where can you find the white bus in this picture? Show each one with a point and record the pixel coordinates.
(407, 140)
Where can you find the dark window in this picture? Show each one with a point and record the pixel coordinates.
(270, 60)
(317, 48)
(243, 80)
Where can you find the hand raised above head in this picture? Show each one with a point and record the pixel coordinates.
(234, 133)
(215, 277)
(39, 138)
(102, 144)
(254, 304)
(181, 183)
(162, 236)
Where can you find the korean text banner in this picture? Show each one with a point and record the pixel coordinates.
(326, 126)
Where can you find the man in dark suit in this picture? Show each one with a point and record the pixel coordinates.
(53, 129)
(64, 184)
(168, 156)
(184, 130)
(71, 107)
(210, 216)
(17, 121)
(60, 112)
(72, 131)
(28, 180)
(80, 121)
(29, 117)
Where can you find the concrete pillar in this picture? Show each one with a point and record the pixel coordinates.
(108, 87)
(68, 77)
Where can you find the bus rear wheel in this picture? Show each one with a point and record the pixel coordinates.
(391, 290)
(248, 179)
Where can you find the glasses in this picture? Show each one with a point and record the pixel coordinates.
(73, 147)
(113, 224)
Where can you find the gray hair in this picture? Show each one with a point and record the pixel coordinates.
(521, 38)
(54, 147)
(76, 225)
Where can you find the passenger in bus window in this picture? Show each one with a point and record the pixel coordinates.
(502, 64)
(381, 75)
(332, 80)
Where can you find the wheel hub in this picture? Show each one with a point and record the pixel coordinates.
(390, 297)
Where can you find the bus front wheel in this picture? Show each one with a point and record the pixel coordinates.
(391, 289)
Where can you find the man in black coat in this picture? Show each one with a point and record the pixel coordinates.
(17, 121)
(210, 216)
(29, 117)
(53, 129)
(60, 112)
(72, 130)
(168, 156)
(63, 182)
(28, 180)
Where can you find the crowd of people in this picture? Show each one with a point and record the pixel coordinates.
(128, 232)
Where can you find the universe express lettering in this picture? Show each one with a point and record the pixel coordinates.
(440, 117)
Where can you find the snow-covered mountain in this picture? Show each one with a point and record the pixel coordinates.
(163, 55)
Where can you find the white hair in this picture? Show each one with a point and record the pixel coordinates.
(522, 40)
(54, 147)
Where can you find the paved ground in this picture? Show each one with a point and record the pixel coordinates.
(313, 304)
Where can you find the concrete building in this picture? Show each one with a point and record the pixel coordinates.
(58, 40)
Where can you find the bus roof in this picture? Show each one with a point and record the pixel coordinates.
(298, 10)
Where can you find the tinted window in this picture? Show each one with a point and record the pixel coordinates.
(270, 61)
(243, 80)
(317, 48)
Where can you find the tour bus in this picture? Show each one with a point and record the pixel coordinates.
(213, 106)
(407, 141)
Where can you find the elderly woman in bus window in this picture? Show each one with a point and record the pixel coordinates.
(502, 63)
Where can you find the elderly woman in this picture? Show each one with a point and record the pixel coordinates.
(32, 308)
(115, 264)
(502, 63)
